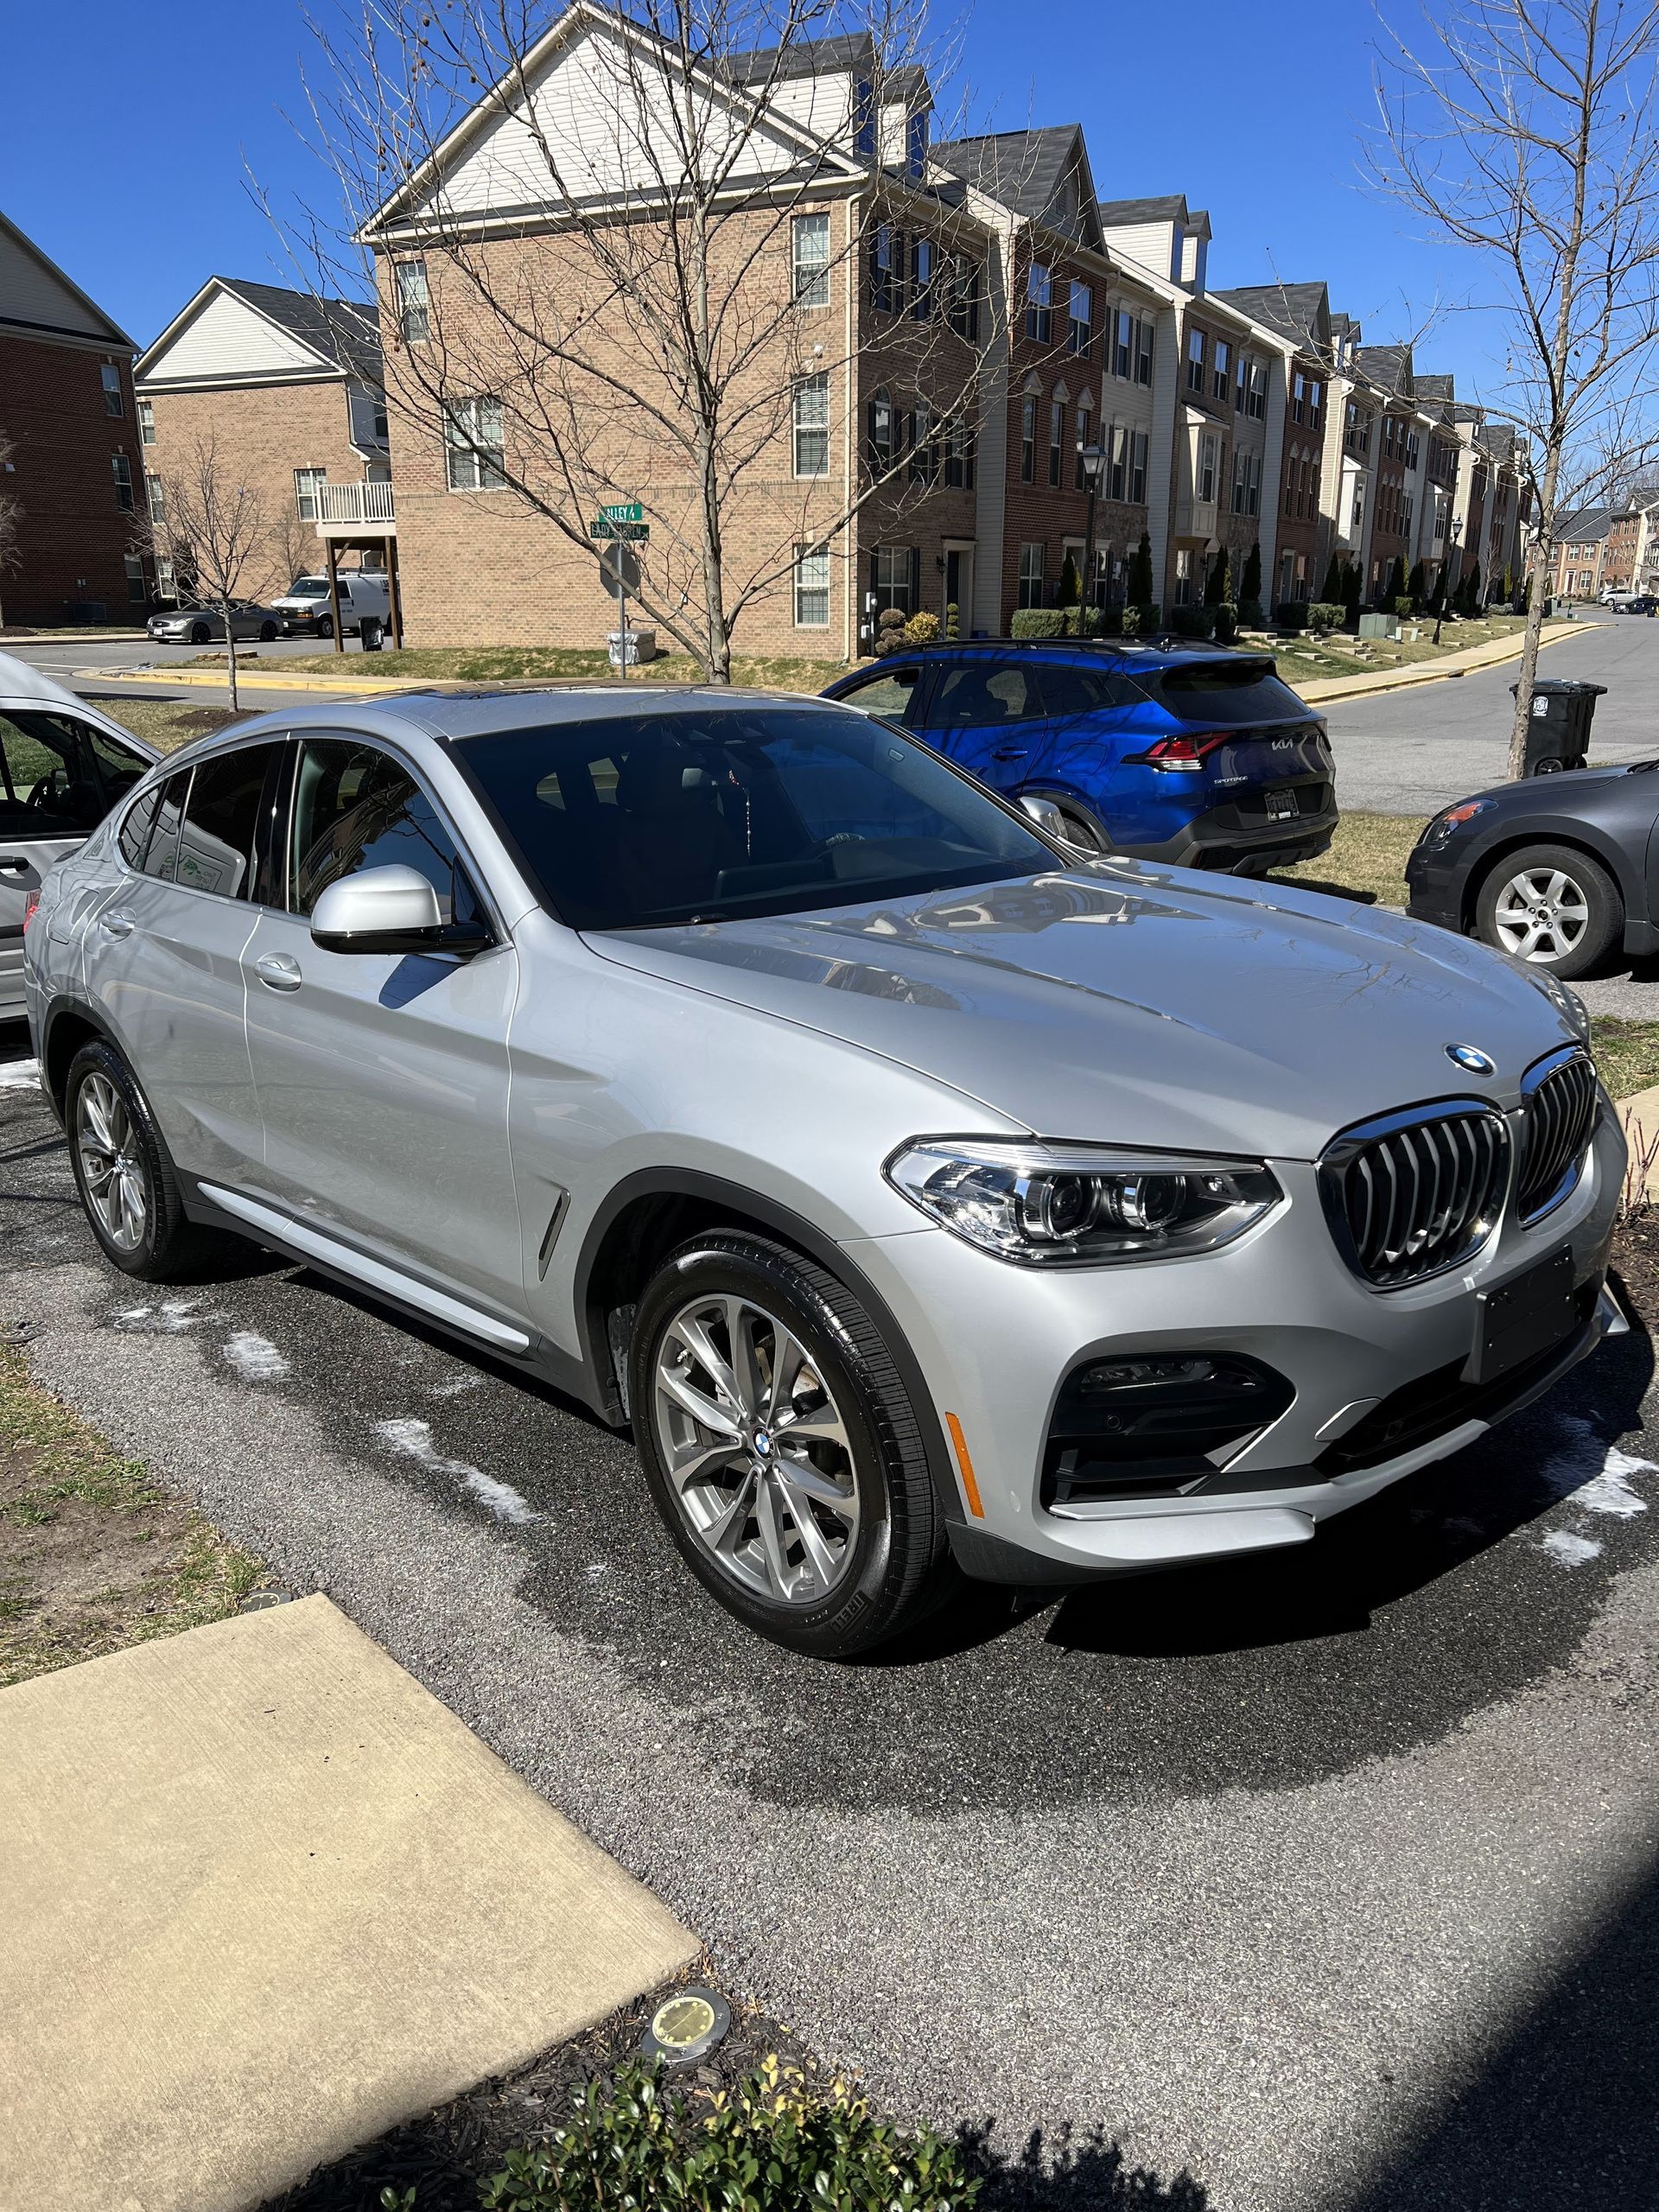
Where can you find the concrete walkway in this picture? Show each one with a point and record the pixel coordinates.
(265, 1897)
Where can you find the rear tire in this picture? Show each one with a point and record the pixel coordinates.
(124, 1173)
(1081, 830)
(828, 1543)
(1551, 907)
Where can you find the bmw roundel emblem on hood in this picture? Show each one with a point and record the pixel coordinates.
(1471, 1060)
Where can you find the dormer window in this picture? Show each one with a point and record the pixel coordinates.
(864, 117)
(916, 144)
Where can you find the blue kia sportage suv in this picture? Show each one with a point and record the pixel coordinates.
(1164, 751)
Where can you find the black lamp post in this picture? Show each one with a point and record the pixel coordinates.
(1091, 460)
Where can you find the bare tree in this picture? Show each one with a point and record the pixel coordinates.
(653, 320)
(210, 528)
(1525, 130)
(11, 512)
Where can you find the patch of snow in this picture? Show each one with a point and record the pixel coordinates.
(1572, 1551)
(255, 1358)
(173, 1315)
(1595, 1474)
(455, 1385)
(20, 1074)
(596, 1569)
(414, 1438)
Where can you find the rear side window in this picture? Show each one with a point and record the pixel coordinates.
(892, 693)
(134, 830)
(221, 821)
(1088, 692)
(986, 693)
(161, 854)
(1225, 694)
(356, 808)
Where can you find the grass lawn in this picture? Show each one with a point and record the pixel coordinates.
(533, 664)
(94, 1554)
(169, 723)
(1304, 659)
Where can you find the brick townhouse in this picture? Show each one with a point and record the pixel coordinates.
(982, 317)
(288, 391)
(1608, 549)
(66, 410)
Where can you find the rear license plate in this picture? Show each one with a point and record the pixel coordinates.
(1280, 805)
(1524, 1317)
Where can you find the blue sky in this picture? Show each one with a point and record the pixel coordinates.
(130, 138)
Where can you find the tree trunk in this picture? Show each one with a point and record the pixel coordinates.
(230, 652)
(1535, 629)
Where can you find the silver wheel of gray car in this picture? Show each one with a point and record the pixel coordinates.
(1540, 915)
(757, 1454)
(113, 1171)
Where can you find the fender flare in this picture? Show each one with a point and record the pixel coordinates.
(748, 1205)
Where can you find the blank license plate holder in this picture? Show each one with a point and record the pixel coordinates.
(1281, 806)
(1523, 1317)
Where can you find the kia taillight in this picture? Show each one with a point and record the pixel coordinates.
(31, 904)
(1182, 755)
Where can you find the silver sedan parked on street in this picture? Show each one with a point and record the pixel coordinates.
(201, 626)
(928, 1198)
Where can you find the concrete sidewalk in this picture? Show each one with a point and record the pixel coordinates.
(265, 1897)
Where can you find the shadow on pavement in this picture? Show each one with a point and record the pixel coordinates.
(1564, 2114)
(1068, 2173)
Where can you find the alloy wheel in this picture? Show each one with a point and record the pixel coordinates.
(1540, 915)
(113, 1172)
(758, 1456)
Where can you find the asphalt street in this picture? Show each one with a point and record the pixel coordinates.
(1322, 1884)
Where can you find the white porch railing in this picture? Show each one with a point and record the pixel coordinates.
(356, 503)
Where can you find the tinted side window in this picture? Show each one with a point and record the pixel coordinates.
(134, 830)
(1088, 692)
(355, 808)
(986, 692)
(892, 692)
(162, 853)
(45, 791)
(117, 765)
(222, 820)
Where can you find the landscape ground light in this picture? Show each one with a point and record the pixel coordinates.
(686, 2026)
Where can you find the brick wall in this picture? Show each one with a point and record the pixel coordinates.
(264, 432)
(73, 537)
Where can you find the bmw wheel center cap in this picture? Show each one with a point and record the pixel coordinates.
(1471, 1059)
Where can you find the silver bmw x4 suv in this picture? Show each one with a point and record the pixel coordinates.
(929, 1199)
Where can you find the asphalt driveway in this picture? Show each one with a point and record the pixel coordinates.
(1324, 1882)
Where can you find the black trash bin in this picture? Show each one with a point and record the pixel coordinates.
(1558, 728)
(370, 631)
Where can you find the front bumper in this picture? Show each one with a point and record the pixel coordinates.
(1434, 883)
(996, 1344)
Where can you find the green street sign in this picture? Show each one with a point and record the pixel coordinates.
(624, 511)
(635, 532)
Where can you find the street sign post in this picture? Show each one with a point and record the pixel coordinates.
(620, 572)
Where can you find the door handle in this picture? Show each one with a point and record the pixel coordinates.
(116, 925)
(13, 864)
(1010, 752)
(278, 971)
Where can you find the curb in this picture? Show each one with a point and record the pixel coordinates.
(1323, 691)
(211, 680)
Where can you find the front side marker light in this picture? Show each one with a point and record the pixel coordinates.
(965, 1466)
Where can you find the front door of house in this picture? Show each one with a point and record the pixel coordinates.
(959, 588)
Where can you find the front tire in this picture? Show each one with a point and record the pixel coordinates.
(125, 1177)
(325, 626)
(200, 634)
(1551, 906)
(267, 631)
(781, 1447)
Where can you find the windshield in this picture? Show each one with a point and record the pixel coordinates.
(1225, 694)
(708, 815)
(308, 588)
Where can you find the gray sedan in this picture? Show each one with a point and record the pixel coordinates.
(201, 626)
(922, 1194)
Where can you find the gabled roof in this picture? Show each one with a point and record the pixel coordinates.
(336, 337)
(1120, 214)
(1389, 368)
(1028, 173)
(1435, 387)
(807, 57)
(1587, 527)
(35, 296)
(1298, 312)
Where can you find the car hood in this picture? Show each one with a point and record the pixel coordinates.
(23, 684)
(1131, 1004)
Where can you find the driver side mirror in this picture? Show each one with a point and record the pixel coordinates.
(1050, 821)
(384, 910)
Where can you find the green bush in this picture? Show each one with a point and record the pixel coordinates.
(1192, 621)
(1249, 587)
(953, 621)
(1249, 612)
(1037, 622)
(776, 2144)
(922, 629)
(1069, 590)
(1291, 615)
(1218, 584)
(1140, 584)
(1226, 623)
(1326, 614)
(1403, 607)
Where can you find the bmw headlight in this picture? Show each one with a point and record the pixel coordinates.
(1571, 1008)
(1081, 1206)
